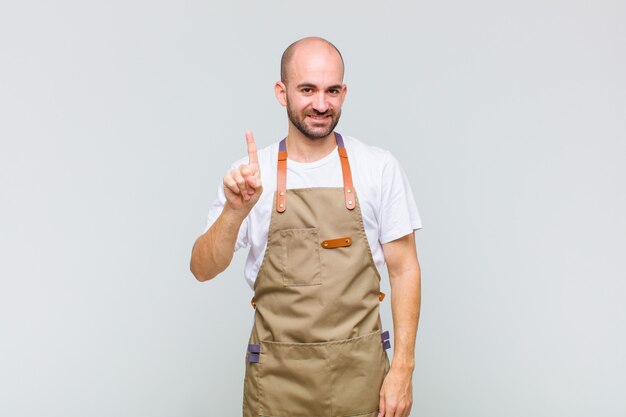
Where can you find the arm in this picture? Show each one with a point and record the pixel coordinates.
(396, 395)
(213, 251)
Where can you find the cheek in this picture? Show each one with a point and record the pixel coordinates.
(300, 105)
(337, 103)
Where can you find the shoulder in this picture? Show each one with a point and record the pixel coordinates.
(368, 155)
(368, 165)
(374, 170)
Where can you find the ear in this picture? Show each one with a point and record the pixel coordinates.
(280, 90)
(344, 91)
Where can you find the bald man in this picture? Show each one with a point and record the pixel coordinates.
(327, 214)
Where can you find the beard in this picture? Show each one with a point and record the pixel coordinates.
(310, 132)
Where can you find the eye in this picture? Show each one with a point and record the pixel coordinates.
(334, 91)
(306, 90)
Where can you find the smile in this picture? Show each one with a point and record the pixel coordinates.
(319, 118)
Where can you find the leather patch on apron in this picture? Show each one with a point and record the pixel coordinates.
(341, 242)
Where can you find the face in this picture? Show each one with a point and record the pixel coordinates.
(313, 92)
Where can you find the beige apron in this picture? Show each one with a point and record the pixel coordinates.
(317, 348)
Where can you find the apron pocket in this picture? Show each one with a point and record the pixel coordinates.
(358, 367)
(294, 380)
(300, 257)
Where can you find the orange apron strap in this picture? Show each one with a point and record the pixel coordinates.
(348, 188)
(281, 180)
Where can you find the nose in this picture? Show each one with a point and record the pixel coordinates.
(319, 102)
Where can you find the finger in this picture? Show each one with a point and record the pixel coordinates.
(241, 183)
(381, 406)
(230, 185)
(252, 154)
(252, 181)
(253, 184)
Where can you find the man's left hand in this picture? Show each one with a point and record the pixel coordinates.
(396, 394)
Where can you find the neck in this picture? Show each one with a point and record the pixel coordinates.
(303, 149)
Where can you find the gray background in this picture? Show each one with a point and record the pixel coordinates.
(118, 119)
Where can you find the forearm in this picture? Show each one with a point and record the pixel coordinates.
(405, 309)
(213, 251)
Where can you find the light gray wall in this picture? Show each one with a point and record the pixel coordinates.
(118, 119)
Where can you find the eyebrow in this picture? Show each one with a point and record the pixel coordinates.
(311, 85)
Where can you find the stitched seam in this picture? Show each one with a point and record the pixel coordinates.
(332, 342)
(364, 236)
(267, 247)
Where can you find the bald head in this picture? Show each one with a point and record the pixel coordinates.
(306, 46)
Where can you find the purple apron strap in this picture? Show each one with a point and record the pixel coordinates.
(253, 353)
(339, 140)
(384, 337)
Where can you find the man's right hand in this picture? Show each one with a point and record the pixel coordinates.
(242, 186)
(213, 251)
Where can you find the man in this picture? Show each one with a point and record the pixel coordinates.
(317, 347)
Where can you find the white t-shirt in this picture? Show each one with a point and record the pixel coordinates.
(387, 204)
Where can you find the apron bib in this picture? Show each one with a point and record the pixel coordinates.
(317, 348)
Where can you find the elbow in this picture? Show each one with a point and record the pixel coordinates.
(200, 274)
(205, 263)
(200, 277)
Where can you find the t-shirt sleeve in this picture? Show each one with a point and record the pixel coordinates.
(398, 215)
(214, 212)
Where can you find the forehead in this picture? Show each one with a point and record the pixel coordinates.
(317, 64)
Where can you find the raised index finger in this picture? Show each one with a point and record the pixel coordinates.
(252, 155)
